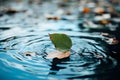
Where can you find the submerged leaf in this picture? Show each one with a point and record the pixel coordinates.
(58, 54)
(62, 42)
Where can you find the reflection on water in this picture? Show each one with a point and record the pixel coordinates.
(88, 59)
(24, 28)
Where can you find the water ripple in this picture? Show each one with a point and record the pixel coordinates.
(88, 57)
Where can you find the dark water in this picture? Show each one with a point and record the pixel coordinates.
(28, 32)
(82, 64)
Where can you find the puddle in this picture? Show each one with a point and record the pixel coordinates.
(24, 40)
(89, 56)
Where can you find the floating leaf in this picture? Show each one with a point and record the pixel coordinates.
(62, 42)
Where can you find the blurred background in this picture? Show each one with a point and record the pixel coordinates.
(85, 15)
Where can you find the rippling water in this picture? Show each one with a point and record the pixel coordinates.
(27, 31)
(89, 56)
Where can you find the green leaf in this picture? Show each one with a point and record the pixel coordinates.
(62, 42)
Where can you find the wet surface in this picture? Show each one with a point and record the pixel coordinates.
(24, 43)
(88, 56)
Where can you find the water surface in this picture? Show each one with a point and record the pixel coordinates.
(89, 56)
